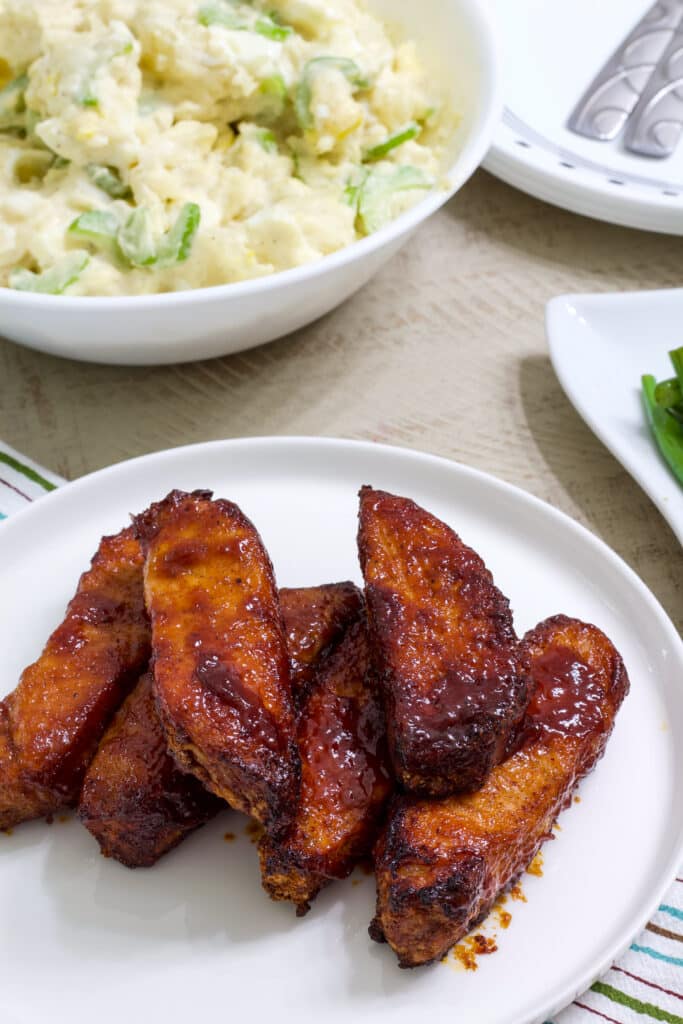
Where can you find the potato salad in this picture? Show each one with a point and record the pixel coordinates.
(158, 145)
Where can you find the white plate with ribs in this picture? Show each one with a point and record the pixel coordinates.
(196, 934)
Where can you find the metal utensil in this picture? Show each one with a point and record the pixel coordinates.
(614, 93)
(656, 125)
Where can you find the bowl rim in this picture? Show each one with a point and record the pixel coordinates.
(477, 143)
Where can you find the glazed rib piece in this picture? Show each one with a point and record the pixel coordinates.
(19, 801)
(441, 863)
(53, 721)
(345, 781)
(135, 801)
(316, 619)
(451, 671)
(221, 671)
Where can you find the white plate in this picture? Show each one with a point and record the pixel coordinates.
(601, 345)
(195, 938)
(552, 52)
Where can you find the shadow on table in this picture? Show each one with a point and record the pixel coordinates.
(611, 502)
(598, 255)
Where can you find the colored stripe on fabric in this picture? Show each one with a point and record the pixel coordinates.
(2, 515)
(26, 471)
(652, 984)
(656, 955)
(11, 487)
(664, 931)
(674, 911)
(617, 996)
(582, 1006)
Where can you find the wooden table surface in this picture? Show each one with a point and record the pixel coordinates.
(443, 351)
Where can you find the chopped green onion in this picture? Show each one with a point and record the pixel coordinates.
(274, 89)
(304, 91)
(53, 281)
(108, 179)
(274, 86)
(411, 131)
(226, 16)
(133, 242)
(99, 227)
(220, 14)
(271, 30)
(175, 245)
(353, 190)
(135, 239)
(266, 140)
(378, 189)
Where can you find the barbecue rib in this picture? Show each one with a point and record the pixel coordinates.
(453, 681)
(135, 801)
(316, 619)
(52, 722)
(19, 801)
(441, 863)
(221, 671)
(345, 781)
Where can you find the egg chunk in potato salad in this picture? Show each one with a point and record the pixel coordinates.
(158, 145)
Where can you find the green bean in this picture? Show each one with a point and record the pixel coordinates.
(666, 429)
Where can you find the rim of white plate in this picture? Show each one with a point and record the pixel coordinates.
(528, 160)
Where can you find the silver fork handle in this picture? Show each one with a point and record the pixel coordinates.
(656, 125)
(614, 93)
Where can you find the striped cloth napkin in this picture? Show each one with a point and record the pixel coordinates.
(646, 984)
(22, 481)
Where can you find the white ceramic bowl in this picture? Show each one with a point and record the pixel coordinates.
(456, 40)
